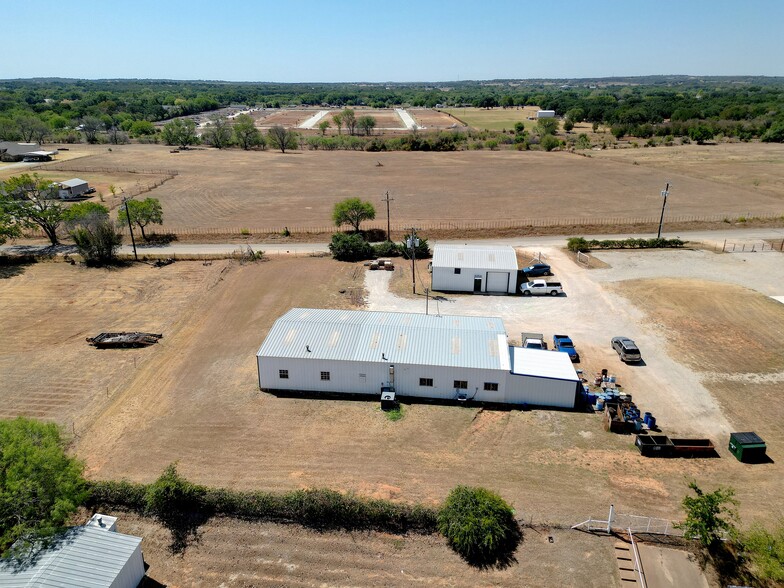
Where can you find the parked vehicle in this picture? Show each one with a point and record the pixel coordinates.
(564, 343)
(537, 269)
(90, 191)
(533, 340)
(626, 349)
(540, 288)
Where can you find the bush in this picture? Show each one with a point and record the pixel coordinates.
(479, 525)
(548, 143)
(765, 550)
(352, 247)
(581, 244)
(386, 249)
(577, 244)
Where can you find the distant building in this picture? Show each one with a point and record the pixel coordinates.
(474, 268)
(545, 114)
(11, 151)
(93, 556)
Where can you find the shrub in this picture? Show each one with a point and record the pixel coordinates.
(548, 143)
(386, 249)
(350, 247)
(765, 550)
(478, 524)
(492, 145)
(577, 244)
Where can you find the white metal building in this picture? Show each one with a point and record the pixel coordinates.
(73, 188)
(423, 356)
(92, 556)
(474, 268)
(545, 114)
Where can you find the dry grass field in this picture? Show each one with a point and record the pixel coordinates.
(234, 189)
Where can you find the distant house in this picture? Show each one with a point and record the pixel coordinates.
(72, 188)
(545, 114)
(94, 555)
(11, 151)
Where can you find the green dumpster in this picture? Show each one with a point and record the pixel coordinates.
(747, 447)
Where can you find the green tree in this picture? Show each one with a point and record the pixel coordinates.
(775, 134)
(709, 516)
(81, 211)
(352, 211)
(338, 120)
(546, 126)
(96, 239)
(366, 124)
(9, 229)
(349, 120)
(32, 201)
(323, 126)
(351, 247)
(180, 132)
(246, 135)
(218, 132)
(143, 213)
(40, 486)
(31, 128)
(282, 138)
(568, 125)
(700, 133)
(141, 128)
(519, 128)
(549, 142)
(765, 550)
(479, 525)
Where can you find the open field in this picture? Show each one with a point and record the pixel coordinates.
(495, 119)
(232, 189)
(239, 554)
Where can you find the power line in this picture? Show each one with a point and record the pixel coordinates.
(388, 200)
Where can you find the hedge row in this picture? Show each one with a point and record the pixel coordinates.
(171, 497)
(581, 244)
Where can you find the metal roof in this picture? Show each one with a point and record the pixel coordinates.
(82, 557)
(13, 148)
(388, 337)
(73, 183)
(475, 256)
(544, 364)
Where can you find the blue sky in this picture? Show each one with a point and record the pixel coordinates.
(391, 41)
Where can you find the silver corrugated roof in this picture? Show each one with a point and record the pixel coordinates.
(475, 256)
(388, 337)
(82, 557)
(73, 183)
(542, 363)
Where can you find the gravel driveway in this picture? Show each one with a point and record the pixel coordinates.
(592, 314)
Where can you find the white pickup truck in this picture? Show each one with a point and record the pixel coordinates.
(540, 288)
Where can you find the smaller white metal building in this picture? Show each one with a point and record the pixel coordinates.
(92, 556)
(545, 114)
(424, 356)
(474, 268)
(72, 188)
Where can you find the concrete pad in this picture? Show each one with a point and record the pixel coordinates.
(670, 568)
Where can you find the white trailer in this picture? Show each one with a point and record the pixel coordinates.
(545, 114)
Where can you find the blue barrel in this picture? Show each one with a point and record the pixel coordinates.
(651, 422)
(600, 403)
(637, 425)
(646, 418)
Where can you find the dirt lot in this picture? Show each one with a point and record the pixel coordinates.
(233, 189)
(433, 119)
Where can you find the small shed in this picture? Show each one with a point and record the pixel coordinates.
(93, 555)
(474, 268)
(747, 447)
(72, 188)
(545, 114)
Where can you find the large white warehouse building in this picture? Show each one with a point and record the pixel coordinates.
(474, 268)
(423, 356)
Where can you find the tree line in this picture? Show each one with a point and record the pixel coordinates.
(74, 110)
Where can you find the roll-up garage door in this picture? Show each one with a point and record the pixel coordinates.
(497, 282)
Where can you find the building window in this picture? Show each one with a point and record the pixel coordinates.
(426, 382)
(325, 375)
(283, 374)
(461, 384)
(491, 386)
(457, 270)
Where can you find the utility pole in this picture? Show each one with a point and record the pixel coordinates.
(388, 200)
(130, 228)
(411, 243)
(427, 302)
(664, 193)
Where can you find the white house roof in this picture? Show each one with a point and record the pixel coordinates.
(73, 183)
(541, 363)
(475, 256)
(388, 337)
(82, 557)
(42, 153)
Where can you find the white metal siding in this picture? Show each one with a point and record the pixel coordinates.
(132, 572)
(540, 391)
(446, 280)
(497, 282)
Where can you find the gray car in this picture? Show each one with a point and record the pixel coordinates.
(626, 349)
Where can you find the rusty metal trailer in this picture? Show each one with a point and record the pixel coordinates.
(664, 446)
